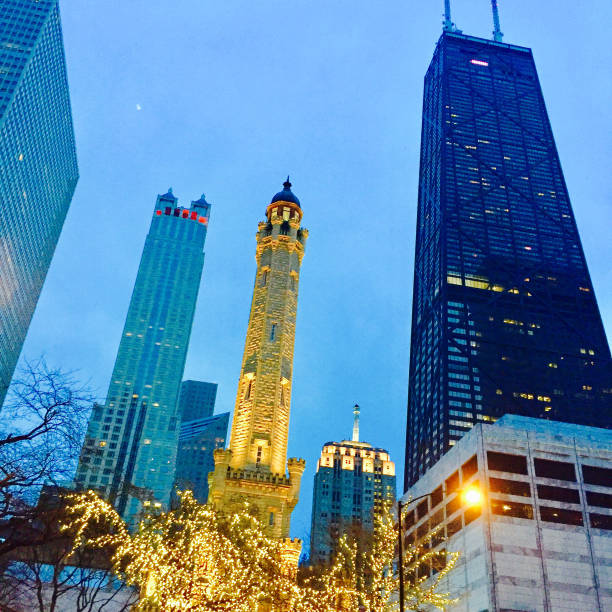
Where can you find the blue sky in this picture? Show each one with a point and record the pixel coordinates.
(227, 98)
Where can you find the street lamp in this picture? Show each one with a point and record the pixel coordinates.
(471, 496)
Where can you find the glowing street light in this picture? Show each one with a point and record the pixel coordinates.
(472, 496)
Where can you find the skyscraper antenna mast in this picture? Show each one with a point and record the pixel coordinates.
(497, 33)
(356, 411)
(448, 24)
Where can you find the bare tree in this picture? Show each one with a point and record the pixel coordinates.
(36, 584)
(42, 425)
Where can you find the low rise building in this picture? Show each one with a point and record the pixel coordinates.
(541, 539)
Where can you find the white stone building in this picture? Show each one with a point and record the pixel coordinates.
(541, 540)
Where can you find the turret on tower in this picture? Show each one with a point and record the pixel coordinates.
(255, 465)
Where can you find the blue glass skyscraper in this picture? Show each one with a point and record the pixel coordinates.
(200, 434)
(197, 441)
(129, 453)
(38, 164)
(197, 399)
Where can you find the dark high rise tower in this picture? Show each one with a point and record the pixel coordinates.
(504, 314)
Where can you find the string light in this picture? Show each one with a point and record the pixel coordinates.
(198, 559)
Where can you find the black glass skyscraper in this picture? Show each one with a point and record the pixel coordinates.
(504, 315)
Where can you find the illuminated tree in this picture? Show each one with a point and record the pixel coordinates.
(190, 558)
(195, 558)
(364, 576)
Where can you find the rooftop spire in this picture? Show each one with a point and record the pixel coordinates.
(448, 24)
(356, 411)
(497, 33)
(287, 184)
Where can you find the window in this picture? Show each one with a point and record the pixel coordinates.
(422, 530)
(453, 505)
(247, 394)
(469, 468)
(510, 487)
(558, 515)
(601, 521)
(436, 497)
(452, 483)
(408, 519)
(422, 509)
(453, 527)
(273, 332)
(264, 279)
(558, 470)
(599, 499)
(597, 475)
(472, 513)
(503, 462)
(558, 494)
(437, 518)
(508, 508)
(271, 519)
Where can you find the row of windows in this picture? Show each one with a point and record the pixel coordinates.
(547, 468)
(550, 514)
(562, 494)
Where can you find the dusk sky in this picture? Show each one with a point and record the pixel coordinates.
(228, 97)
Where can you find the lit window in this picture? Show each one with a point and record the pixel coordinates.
(479, 62)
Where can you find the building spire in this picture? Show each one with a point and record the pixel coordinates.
(356, 411)
(497, 33)
(287, 183)
(448, 24)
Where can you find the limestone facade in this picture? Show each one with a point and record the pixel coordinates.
(255, 466)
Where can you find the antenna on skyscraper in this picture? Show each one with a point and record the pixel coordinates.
(497, 33)
(448, 24)
(356, 411)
